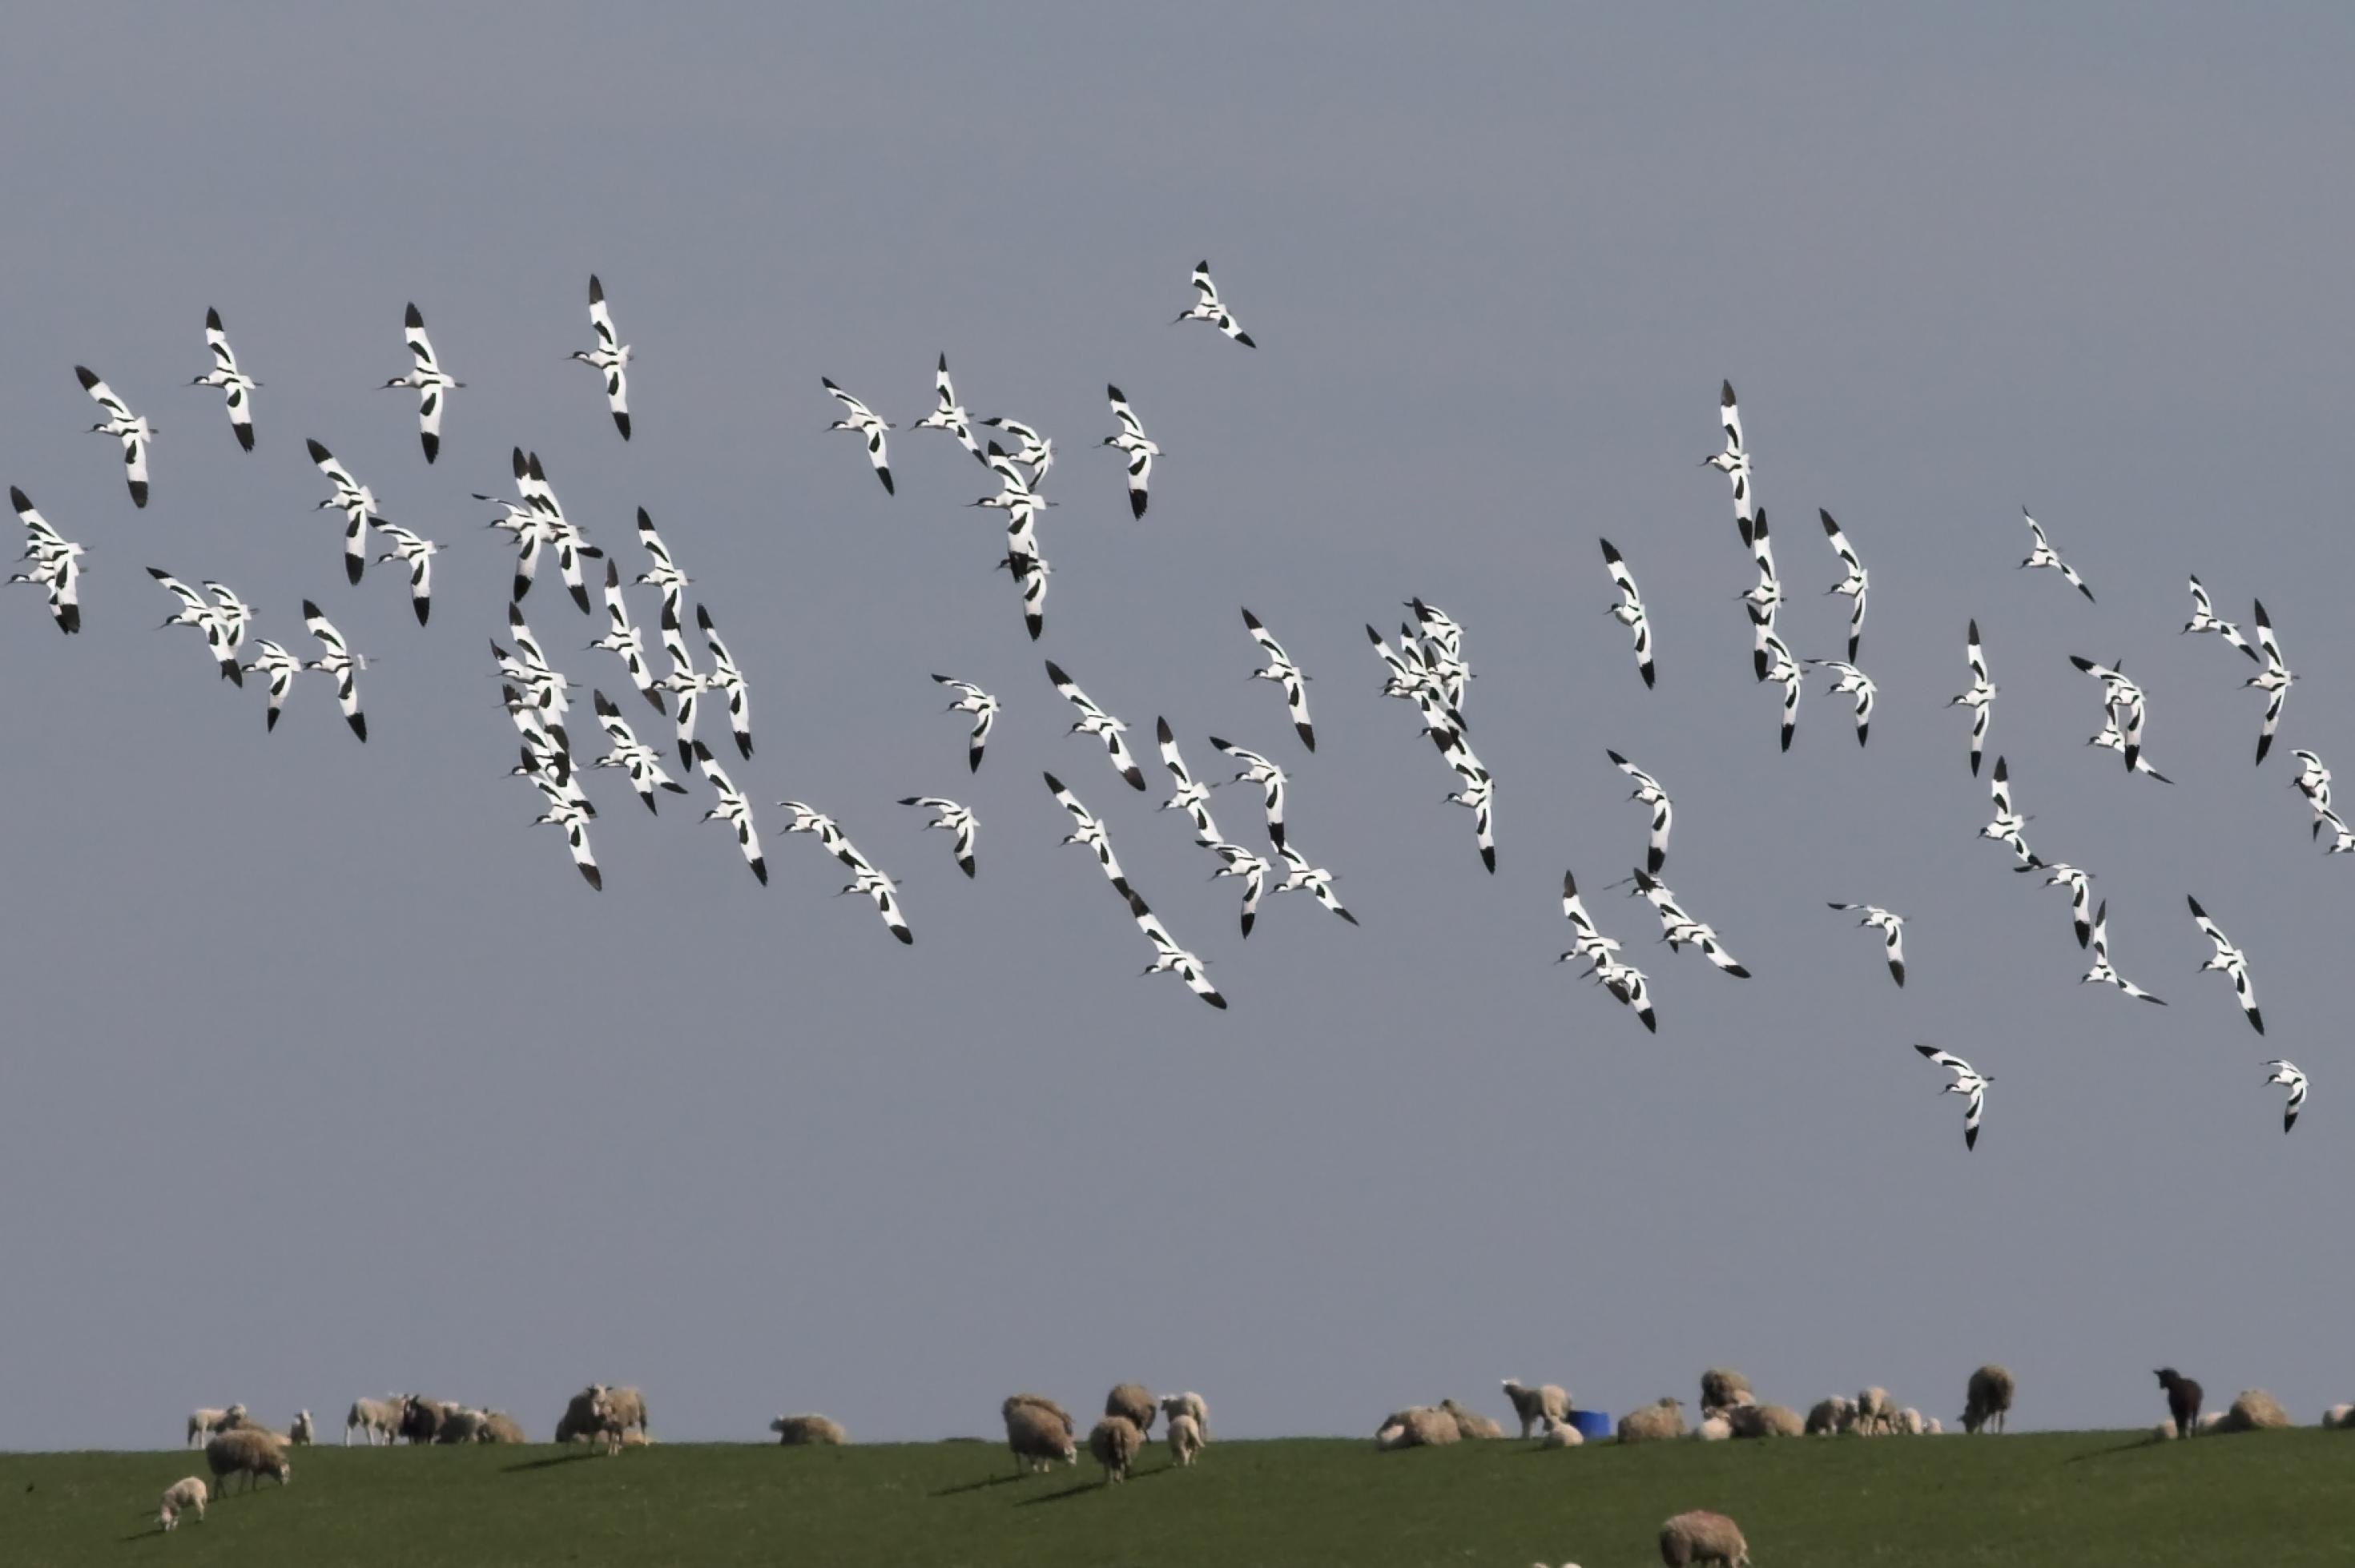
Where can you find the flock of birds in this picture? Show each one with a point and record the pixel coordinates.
(1425, 667)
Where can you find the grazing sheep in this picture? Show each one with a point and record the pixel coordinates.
(1988, 1400)
(1909, 1422)
(797, 1431)
(2208, 1423)
(1133, 1403)
(1114, 1442)
(629, 1408)
(421, 1418)
(1560, 1434)
(1875, 1416)
(2163, 1433)
(2338, 1418)
(243, 1451)
(1718, 1385)
(1714, 1429)
(1536, 1406)
(2183, 1397)
(1703, 1537)
(1653, 1422)
(1039, 1432)
(1189, 1403)
(1765, 1421)
(1830, 1417)
(498, 1426)
(2254, 1410)
(300, 1433)
(1470, 1423)
(203, 1423)
(1420, 1427)
(460, 1425)
(374, 1418)
(187, 1492)
(1185, 1437)
(1930, 1428)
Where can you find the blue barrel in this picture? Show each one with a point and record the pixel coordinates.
(1591, 1424)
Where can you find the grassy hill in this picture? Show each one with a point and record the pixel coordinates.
(2086, 1498)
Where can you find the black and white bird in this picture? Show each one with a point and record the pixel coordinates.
(236, 387)
(546, 686)
(2109, 738)
(57, 563)
(1032, 449)
(1191, 795)
(1094, 721)
(1030, 571)
(862, 420)
(1478, 796)
(546, 756)
(1623, 981)
(1253, 869)
(685, 686)
(2102, 973)
(1970, 1083)
(808, 819)
(1855, 584)
(2123, 703)
(1891, 927)
(278, 668)
(1412, 681)
(1766, 597)
(733, 809)
(426, 378)
(2006, 826)
(1208, 307)
(609, 358)
(864, 879)
(622, 637)
(2080, 884)
(1979, 699)
(948, 414)
(972, 699)
(222, 632)
(727, 681)
(2313, 780)
(1629, 611)
(1782, 667)
(1679, 929)
(1852, 681)
(1088, 829)
(2229, 961)
(1270, 779)
(663, 575)
(2274, 680)
(557, 531)
(339, 663)
(641, 762)
(569, 816)
(525, 520)
(2204, 619)
(131, 429)
(418, 554)
(2287, 1075)
(958, 820)
(355, 500)
(2044, 554)
(1734, 461)
(1663, 810)
(1130, 443)
(1443, 651)
(1286, 675)
(1168, 957)
(1303, 877)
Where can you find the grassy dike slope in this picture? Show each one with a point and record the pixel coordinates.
(2083, 1499)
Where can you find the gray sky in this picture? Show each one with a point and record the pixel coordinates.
(327, 1076)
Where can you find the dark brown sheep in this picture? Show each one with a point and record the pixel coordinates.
(2183, 1398)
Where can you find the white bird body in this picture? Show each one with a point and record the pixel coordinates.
(2008, 824)
(1733, 461)
(131, 429)
(623, 638)
(2287, 1075)
(1253, 868)
(640, 761)
(427, 378)
(355, 500)
(1132, 446)
(2205, 619)
(949, 414)
(1979, 699)
(1191, 795)
(278, 668)
(1208, 307)
(1856, 583)
(2274, 680)
(955, 819)
(1782, 666)
(2229, 961)
(610, 358)
(729, 682)
(417, 552)
(1088, 831)
(57, 563)
(1852, 681)
(339, 663)
(1679, 929)
(1478, 796)
(1970, 1083)
(734, 810)
(2042, 553)
(222, 628)
(1286, 675)
(663, 576)
(1629, 611)
(1094, 721)
(2080, 884)
(1664, 812)
(972, 699)
(1891, 927)
(863, 421)
(1270, 779)
(1303, 877)
(236, 387)
(2102, 973)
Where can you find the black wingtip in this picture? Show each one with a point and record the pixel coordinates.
(360, 727)
(244, 435)
(310, 610)
(432, 442)
(413, 319)
(885, 475)
(622, 423)
(87, 376)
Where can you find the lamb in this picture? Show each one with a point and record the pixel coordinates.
(1714, 1429)
(1189, 1403)
(1874, 1415)
(249, 1453)
(2183, 1397)
(2338, 1418)
(374, 1418)
(1133, 1403)
(1988, 1400)
(1185, 1436)
(1419, 1426)
(599, 1414)
(498, 1426)
(1653, 1422)
(795, 1431)
(203, 1423)
(2163, 1433)
(299, 1433)
(1930, 1428)
(1703, 1537)
(1560, 1434)
(187, 1492)
(1909, 1422)
(1470, 1423)
(629, 1408)
(1037, 1431)
(1536, 1406)
(460, 1425)
(1765, 1421)
(2254, 1410)
(1114, 1442)
(1719, 1387)
(1830, 1417)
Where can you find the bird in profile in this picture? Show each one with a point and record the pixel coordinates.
(1629, 611)
(222, 630)
(417, 552)
(1979, 699)
(623, 638)
(2204, 619)
(972, 699)
(2006, 826)
(1191, 795)
(1852, 681)
(2123, 703)
(2229, 961)
(1766, 598)
(948, 414)
(278, 668)
(236, 387)
(1303, 877)
(1855, 584)
(1094, 721)
(1270, 779)
(2102, 973)
(339, 663)
(1478, 796)
(663, 575)
(57, 563)
(429, 381)
(1780, 667)
(1132, 445)
(1733, 461)
(1970, 1083)
(640, 761)
(955, 819)
(2080, 884)
(355, 500)
(2042, 553)
(2287, 1075)
(863, 421)
(1208, 307)
(1663, 810)
(609, 358)
(1253, 869)
(2274, 680)
(733, 809)
(1892, 931)
(1286, 675)
(131, 429)
(727, 681)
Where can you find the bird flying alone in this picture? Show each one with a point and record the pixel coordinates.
(862, 420)
(133, 430)
(1892, 930)
(608, 358)
(955, 819)
(355, 500)
(1629, 611)
(1852, 681)
(1855, 584)
(339, 663)
(2042, 553)
(1094, 720)
(426, 377)
(1664, 812)
(2287, 1075)
(2274, 680)
(948, 413)
(2006, 826)
(2204, 619)
(2232, 962)
(1970, 1083)
(1979, 699)
(1208, 307)
(2102, 973)
(236, 387)
(972, 699)
(1286, 675)
(1733, 461)
(1131, 444)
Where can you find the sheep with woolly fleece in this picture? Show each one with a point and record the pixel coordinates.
(1988, 1401)
(1702, 1537)
(2254, 1410)
(422, 1418)
(1830, 1417)
(187, 1492)
(1910, 1423)
(1930, 1428)
(1560, 1434)
(2163, 1433)
(1718, 1386)
(1535, 1406)
(629, 1408)
(2207, 1421)
(1417, 1427)
(1765, 1421)
(1653, 1422)
(801, 1431)
(498, 1426)
(460, 1425)
(250, 1452)
(1189, 1403)
(2338, 1418)
(204, 1423)
(1470, 1424)
(300, 1434)
(1714, 1429)
(1037, 1431)
(1185, 1436)
(1115, 1441)
(373, 1418)
(1875, 1416)
(1133, 1403)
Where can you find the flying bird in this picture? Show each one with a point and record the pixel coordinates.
(1443, 651)
(1032, 449)
(1979, 699)
(1208, 307)
(2123, 702)
(1663, 810)
(569, 816)
(426, 377)
(1968, 1082)
(608, 358)
(1239, 862)
(2287, 1075)
(280, 668)
(1852, 681)
(355, 500)
(2006, 826)
(1734, 461)
(57, 563)
(2204, 619)
(1855, 584)
(972, 699)
(808, 819)
(1191, 795)
(2112, 739)
(727, 681)
(1130, 443)
(623, 638)
(1780, 667)
(1629, 611)
(1284, 673)
(2273, 681)
(1679, 929)
(1478, 796)
(641, 762)
(663, 574)
(1892, 931)
(1094, 721)
(2102, 973)
(866, 879)
(2044, 554)
(339, 663)
(1766, 597)
(955, 819)
(2080, 884)
(684, 684)
(236, 387)
(1304, 877)
(735, 810)
(949, 414)
(1270, 779)
(1624, 981)
(1088, 831)
(417, 553)
(862, 420)
(2232, 962)
(221, 632)
(133, 430)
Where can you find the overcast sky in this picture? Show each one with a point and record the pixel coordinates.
(327, 1076)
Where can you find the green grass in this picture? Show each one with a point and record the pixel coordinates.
(2084, 1498)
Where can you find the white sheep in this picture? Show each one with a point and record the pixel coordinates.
(2210, 1422)
(1037, 1431)
(1910, 1422)
(204, 1423)
(250, 1452)
(187, 1492)
(1185, 1435)
(1560, 1434)
(1874, 1415)
(300, 1434)
(1189, 1403)
(1930, 1428)
(794, 1431)
(1536, 1406)
(1714, 1429)
(1114, 1443)
(374, 1418)
(1830, 1417)
(1702, 1537)
(1133, 1403)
